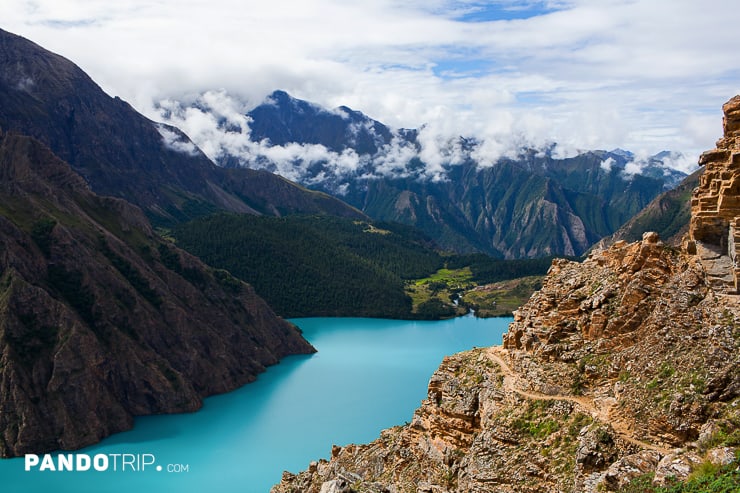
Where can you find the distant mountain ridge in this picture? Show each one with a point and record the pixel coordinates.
(530, 204)
(283, 119)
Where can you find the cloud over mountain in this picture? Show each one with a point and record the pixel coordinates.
(646, 74)
(328, 148)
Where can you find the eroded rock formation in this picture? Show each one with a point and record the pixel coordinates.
(715, 205)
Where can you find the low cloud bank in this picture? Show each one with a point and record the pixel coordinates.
(218, 124)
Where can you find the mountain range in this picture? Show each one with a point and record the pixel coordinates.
(120, 153)
(529, 203)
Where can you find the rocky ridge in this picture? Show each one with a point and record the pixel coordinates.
(626, 365)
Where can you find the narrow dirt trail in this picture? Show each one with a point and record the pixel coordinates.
(599, 409)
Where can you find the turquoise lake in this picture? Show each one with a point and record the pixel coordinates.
(369, 374)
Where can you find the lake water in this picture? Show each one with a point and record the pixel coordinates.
(369, 374)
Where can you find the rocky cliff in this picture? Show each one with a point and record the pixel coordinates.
(96, 308)
(625, 367)
(715, 205)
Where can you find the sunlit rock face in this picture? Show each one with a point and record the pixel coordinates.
(715, 205)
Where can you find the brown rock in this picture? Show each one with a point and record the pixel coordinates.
(650, 237)
(628, 468)
(721, 456)
(675, 467)
(715, 205)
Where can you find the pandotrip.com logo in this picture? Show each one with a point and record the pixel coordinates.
(99, 463)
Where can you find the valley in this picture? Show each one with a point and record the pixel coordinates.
(139, 276)
(328, 266)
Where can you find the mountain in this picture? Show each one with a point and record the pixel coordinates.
(97, 308)
(531, 207)
(283, 119)
(528, 204)
(667, 214)
(121, 153)
(621, 374)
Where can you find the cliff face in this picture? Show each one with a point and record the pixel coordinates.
(715, 205)
(95, 308)
(623, 365)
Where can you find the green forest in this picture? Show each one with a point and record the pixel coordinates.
(329, 266)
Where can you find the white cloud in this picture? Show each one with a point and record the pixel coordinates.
(216, 122)
(642, 74)
(634, 168)
(607, 164)
(174, 141)
(25, 84)
(681, 162)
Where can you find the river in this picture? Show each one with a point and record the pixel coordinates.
(369, 374)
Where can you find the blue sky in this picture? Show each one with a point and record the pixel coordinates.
(644, 75)
(497, 11)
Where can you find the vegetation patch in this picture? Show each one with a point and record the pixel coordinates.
(706, 478)
(314, 265)
(131, 274)
(502, 298)
(35, 340)
(41, 234)
(70, 285)
(534, 422)
(438, 295)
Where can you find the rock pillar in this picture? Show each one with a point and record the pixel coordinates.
(715, 204)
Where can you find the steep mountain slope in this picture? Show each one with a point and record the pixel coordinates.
(529, 205)
(121, 153)
(621, 374)
(513, 207)
(667, 214)
(96, 308)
